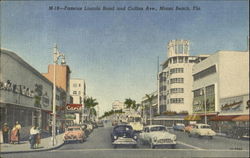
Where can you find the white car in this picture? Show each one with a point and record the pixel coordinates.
(201, 130)
(157, 135)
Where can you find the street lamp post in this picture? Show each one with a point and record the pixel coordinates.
(56, 56)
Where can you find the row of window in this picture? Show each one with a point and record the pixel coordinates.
(75, 92)
(176, 70)
(204, 73)
(176, 80)
(177, 90)
(176, 100)
(75, 85)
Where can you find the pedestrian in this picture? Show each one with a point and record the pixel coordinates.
(18, 127)
(33, 135)
(37, 138)
(13, 135)
(5, 130)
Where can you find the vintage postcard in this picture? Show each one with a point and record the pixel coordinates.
(124, 78)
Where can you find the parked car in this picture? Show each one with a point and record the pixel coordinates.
(188, 128)
(100, 123)
(74, 133)
(202, 130)
(123, 135)
(157, 135)
(179, 127)
(114, 123)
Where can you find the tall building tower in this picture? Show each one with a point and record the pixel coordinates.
(175, 87)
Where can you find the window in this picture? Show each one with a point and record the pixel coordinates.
(79, 93)
(177, 90)
(79, 85)
(204, 73)
(176, 100)
(176, 70)
(176, 80)
(74, 85)
(74, 92)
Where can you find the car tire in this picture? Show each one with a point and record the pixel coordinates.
(211, 137)
(189, 134)
(134, 146)
(114, 146)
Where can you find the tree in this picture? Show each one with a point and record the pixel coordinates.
(130, 103)
(90, 104)
(150, 100)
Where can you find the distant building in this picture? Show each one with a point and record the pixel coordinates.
(78, 93)
(175, 87)
(62, 75)
(117, 105)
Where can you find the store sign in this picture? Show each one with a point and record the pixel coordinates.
(232, 104)
(74, 107)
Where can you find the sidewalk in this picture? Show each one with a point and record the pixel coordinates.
(24, 146)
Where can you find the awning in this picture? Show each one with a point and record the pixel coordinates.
(192, 118)
(222, 118)
(241, 118)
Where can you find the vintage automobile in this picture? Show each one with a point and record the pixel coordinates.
(157, 135)
(201, 130)
(74, 133)
(188, 128)
(179, 127)
(123, 135)
(100, 123)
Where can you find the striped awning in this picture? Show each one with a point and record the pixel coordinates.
(222, 118)
(241, 118)
(192, 118)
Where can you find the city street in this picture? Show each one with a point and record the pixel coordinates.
(98, 144)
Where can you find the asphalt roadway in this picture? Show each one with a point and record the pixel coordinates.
(98, 145)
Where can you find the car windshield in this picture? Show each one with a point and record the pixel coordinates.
(159, 128)
(74, 129)
(205, 126)
(123, 128)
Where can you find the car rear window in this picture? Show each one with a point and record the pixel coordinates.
(123, 128)
(74, 129)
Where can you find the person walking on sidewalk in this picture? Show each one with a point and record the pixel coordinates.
(33, 135)
(5, 130)
(18, 127)
(38, 138)
(13, 135)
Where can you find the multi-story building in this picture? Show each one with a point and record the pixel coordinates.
(78, 92)
(62, 75)
(25, 94)
(175, 79)
(117, 105)
(221, 84)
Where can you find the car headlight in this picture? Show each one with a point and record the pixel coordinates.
(155, 139)
(135, 137)
(115, 137)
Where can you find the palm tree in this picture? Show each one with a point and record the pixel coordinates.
(90, 104)
(130, 103)
(150, 99)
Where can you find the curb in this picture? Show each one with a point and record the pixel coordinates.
(35, 150)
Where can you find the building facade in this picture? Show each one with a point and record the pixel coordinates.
(25, 94)
(175, 79)
(78, 92)
(221, 87)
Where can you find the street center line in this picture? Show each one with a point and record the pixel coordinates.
(195, 147)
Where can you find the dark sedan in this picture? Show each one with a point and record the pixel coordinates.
(123, 135)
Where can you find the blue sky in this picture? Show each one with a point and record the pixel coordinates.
(116, 51)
